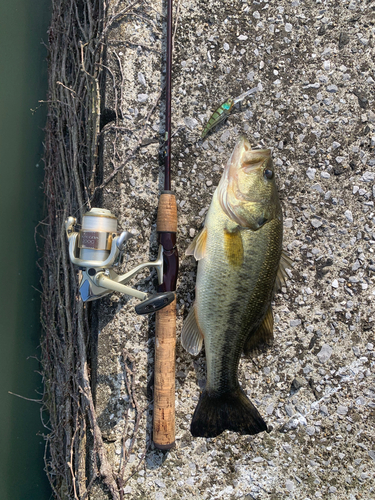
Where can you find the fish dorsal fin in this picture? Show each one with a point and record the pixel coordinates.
(191, 336)
(262, 336)
(285, 263)
(198, 246)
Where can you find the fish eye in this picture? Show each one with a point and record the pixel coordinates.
(268, 173)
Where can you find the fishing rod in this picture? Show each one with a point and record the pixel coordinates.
(97, 248)
(165, 330)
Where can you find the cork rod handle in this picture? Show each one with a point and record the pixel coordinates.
(166, 221)
(164, 385)
(165, 332)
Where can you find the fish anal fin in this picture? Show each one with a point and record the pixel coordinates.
(197, 247)
(285, 263)
(231, 411)
(263, 336)
(191, 336)
(233, 247)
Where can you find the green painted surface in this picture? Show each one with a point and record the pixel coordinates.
(23, 81)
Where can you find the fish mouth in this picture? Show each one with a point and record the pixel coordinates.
(254, 159)
(243, 161)
(244, 157)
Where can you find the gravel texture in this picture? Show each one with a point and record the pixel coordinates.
(310, 65)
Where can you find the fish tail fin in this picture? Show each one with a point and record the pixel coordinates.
(231, 411)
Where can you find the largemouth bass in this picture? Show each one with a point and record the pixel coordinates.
(241, 263)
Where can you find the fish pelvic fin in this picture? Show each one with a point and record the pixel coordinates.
(263, 336)
(231, 411)
(285, 263)
(197, 247)
(191, 335)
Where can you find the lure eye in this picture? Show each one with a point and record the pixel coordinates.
(268, 174)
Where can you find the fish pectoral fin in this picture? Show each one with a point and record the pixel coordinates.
(197, 247)
(233, 247)
(191, 336)
(262, 336)
(285, 263)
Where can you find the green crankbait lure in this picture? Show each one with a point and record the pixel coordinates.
(222, 112)
(218, 116)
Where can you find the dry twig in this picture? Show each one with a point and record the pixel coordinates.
(73, 436)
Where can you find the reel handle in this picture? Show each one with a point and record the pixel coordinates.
(154, 303)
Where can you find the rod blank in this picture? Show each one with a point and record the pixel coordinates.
(165, 330)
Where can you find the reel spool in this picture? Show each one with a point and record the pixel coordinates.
(96, 248)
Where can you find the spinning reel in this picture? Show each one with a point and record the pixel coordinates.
(97, 248)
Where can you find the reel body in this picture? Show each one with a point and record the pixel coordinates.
(97, 248)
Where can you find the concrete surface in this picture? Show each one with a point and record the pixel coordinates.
(312, 70)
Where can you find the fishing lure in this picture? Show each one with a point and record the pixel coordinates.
(218, 116)
(223, 111)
